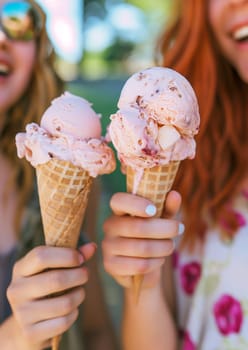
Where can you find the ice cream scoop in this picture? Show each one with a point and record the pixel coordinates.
(164, 95)
(71, 131)
(73, 116)
(157, 119)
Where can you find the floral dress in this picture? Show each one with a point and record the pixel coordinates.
(212, 285)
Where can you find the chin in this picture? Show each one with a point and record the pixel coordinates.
(3, 107)
(241, 67)
(243, 75)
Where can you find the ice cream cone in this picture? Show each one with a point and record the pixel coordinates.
(154, 185)
(55, 342)
(63, 194)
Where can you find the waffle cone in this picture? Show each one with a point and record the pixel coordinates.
(63, 194)
(154, 185)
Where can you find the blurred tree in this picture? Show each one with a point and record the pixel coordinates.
(150, 5)
(105, 56)
(118, 51)
(94, 8)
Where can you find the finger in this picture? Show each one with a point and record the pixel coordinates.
(45, 284)
(88, 250)
(172, 204)
(134, 227)
(140, 248)
(124, 266)
(48, 329)
(45, 309)
(44, 258)
(127, 203)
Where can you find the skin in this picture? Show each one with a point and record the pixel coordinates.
(226, 16)
(131, 237)
(45, 271)
(19, 56)
(42, 272)
(135, 243)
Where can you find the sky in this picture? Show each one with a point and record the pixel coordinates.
(70, 35)
(65, 27)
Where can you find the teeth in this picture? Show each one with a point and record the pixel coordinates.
(4, 68)
(241, 33)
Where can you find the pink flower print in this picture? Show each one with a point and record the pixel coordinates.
(230, 221)
(188, 343)
(190, 275)
(240, 219)
(228, 315)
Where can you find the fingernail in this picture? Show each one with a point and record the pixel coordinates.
(151, 210)
(181, 228)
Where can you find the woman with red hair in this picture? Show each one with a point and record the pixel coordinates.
(197, 298)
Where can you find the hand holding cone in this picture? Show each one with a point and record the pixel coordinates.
(154, 185)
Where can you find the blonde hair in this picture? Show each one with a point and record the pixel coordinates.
(209, 181)
(43, 87)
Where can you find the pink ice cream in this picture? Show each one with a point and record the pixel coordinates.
(70, 130)
(157, 119)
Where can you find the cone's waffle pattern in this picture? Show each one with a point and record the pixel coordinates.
(155, 183)
(55, 342)
(63, 193)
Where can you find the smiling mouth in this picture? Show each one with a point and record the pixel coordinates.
(4, 70)
(241, 34)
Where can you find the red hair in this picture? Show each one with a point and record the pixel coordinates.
(209, 181)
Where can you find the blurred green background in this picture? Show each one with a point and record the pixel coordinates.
(116, 38)
(103, 94)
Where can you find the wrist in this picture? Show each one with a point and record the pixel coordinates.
(145, 295)
(11, 336)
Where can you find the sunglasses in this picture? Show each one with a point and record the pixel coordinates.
(20, 21)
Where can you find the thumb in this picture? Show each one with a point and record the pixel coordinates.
(172, 204)
(88, 250)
